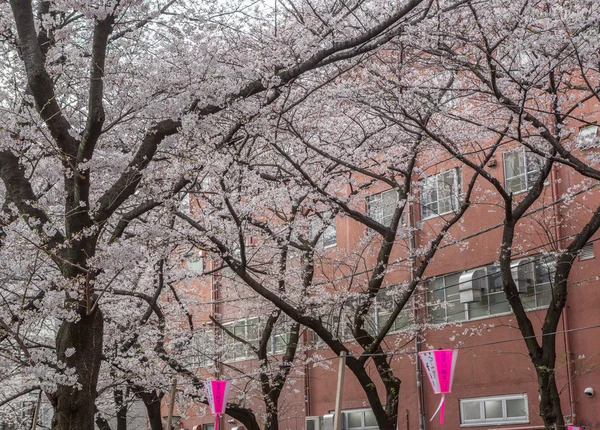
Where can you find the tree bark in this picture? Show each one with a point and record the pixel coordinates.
(79, 346)
(152, 402)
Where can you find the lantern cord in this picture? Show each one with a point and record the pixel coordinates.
(218, 418)
(441, 406)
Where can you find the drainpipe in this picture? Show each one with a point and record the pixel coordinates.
(306, 377)
(565, 311)
(419, 373)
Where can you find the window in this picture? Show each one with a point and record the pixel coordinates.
(359, 420)
(381, 207)
(28, 412)
(250, 329)
(521, 170)
(194, 261)
(384, 306)
(328, 236)
(246, 329)
(443, 299)
(280, 336)
(200, 352)
(588, 137)
(510, 409)
(443, 295)
(440, 193)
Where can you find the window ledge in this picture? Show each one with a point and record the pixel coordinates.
(436, 215)
(499, 423)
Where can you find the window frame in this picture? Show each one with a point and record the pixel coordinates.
(587, 138)
(404, 319)
(505, 420)
(241, 352)
(315, 223)
(454, 194)
(194, 261)
(377, 199)
(363, 426)
(526, 174)
(468, 308)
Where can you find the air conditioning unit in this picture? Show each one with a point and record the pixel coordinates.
(471, 284)
(522, 273)
(327, 422)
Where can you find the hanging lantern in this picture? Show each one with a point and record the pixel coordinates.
(574, 428)
(439, 365)
(217, 392)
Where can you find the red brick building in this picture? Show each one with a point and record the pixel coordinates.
(460, 304)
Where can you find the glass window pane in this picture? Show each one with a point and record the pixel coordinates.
(471, 411)
(544, 269)
(534, 163)
(543, 294)
(479, 309)
(493, 409)
(329, 235)
(456, 311)
(513, 164)
(494, 279)
(515, 185)
(437, 315)
(516, 408)
(240, 330)
(452, 287)
(354, 419)
(370, 419)
(498, 303)
(435, 290)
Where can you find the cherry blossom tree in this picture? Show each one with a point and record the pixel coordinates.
(284, 183)
(521, 75)
(101, 105)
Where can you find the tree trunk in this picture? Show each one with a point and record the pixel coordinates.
(550, 408)
(102, 424)
(79, 346)
(272, 421)
(152, 402)
(121, 410)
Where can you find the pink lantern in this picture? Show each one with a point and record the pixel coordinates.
(574, 428)
(439, 365)
(217, 392)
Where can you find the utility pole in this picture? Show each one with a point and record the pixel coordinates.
(172, 405)
(337, 424)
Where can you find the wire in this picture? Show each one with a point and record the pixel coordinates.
(407, 353)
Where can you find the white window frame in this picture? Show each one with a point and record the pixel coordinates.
(404, 319)
(588, 137)
(382, 213)
(239, 350)
(194, 261)
(316, 223)
(466, 309)
(363, 420)
(526, 179)
(505, 420)
(433, 184)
